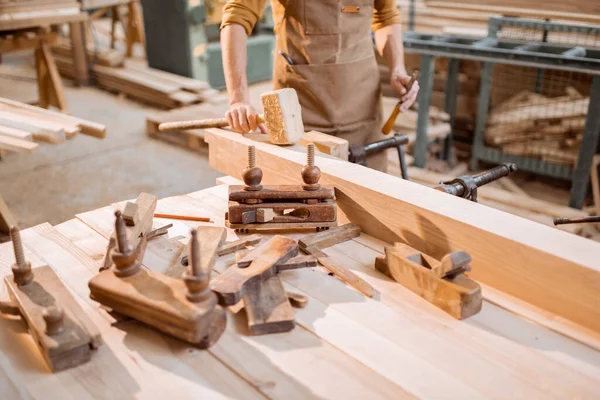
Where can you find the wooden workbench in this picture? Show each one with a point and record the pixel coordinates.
(345, 346)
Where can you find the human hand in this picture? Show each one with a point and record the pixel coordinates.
(243, 118)
(399, 80)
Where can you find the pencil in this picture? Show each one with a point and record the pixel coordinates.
(183, 217)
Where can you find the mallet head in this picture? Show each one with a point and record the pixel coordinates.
(283, 116)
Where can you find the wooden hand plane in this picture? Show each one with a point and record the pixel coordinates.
(253, 206)
(62, 330)
(184, 308)
(442, 283)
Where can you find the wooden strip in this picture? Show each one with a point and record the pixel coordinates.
(38, 132)
(16, 133)
(87, 127)
(18, 145)
(553, 270)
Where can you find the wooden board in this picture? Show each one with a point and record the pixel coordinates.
(523, 259)
(398, 336)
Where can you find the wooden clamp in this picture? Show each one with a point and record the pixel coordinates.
(442, 283)
(253, 279)
(254, 206)
(184, 308)
(60, 327)
(138, 217)
(314, 243)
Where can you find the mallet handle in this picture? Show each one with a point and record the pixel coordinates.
(199, 124)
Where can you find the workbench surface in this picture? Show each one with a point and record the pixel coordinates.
(344, 346)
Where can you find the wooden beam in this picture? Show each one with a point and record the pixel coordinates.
(553, 270)
(17, 145)
(23, 42)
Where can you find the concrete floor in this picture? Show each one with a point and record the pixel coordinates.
(58, 181)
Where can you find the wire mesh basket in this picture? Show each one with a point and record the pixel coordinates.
(539, 113)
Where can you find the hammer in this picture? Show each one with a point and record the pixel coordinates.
(283, 117)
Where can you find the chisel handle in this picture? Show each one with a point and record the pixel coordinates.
(389, 125)
(199, 124)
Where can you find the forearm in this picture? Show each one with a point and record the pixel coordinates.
(233, 45)
(389, 45)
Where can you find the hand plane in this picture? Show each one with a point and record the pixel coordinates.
(64, 333)
(184, 308)
(442, 283)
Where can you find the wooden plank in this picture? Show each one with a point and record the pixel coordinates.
(400, 338)
(56, 86)
(37, 129)
(87, 127)
(18, 145)
(327, 144)
(528, 261)
(69, 15)
(16, 133)
(23, 42)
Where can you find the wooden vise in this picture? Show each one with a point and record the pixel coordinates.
(442, 283)
(60, 327)
(253, 206)
(185, 308)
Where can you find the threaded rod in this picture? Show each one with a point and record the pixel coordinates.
(251, 157)
(121, 233)
(15, 236)
(194, 256)
(310, 154)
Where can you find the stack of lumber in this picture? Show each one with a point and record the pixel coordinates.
(15, 14)
(470, 17)
(97, 56)
(21, 124)
(534, 125)
(145, 84)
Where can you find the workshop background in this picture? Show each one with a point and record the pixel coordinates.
(499, 83)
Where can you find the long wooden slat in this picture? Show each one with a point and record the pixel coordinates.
(402, 322)
(17, 145)
(87, 127)
(553, 270)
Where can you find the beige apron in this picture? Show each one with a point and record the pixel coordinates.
(335, 72)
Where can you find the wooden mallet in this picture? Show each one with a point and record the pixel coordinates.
(389, 125)
(283, 117)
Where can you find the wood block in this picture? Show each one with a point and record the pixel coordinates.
(297, 300)
(327, 144)
(79, 338)
(268, 308)
(232, 247)
(459, 296)
(264, 215)
(211, 239)
(283, 116)
(232, 285)
(330, 237)
(130, 214)
(146, 204)
(160, 301)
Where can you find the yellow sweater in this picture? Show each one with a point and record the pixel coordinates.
(247, 12)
